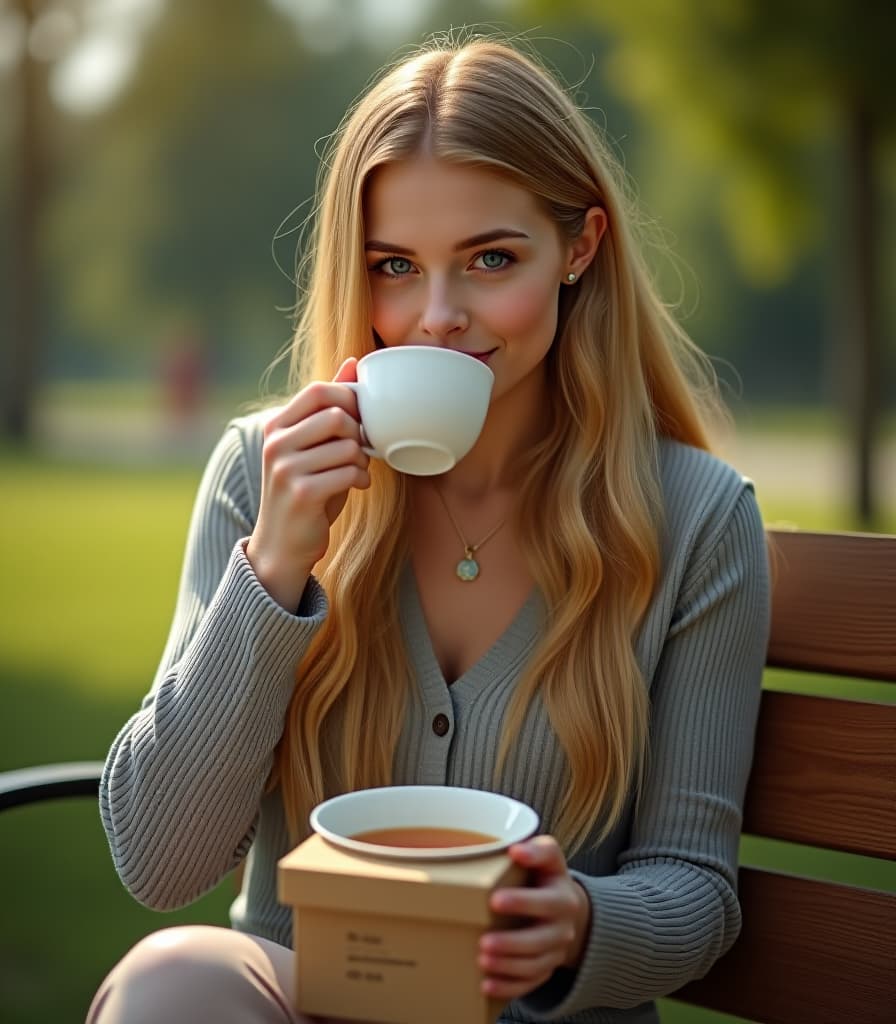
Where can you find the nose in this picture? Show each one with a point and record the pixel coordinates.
(443, 313)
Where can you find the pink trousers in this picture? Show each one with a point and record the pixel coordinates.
(199, 973)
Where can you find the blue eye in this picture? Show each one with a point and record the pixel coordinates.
(395, 266)
(495, 259)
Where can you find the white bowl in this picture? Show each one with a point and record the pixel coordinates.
(474, 810)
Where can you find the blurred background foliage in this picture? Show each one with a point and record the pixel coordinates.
(786, 112)
(157, 160)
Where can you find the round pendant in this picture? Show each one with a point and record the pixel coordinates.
(467, 569)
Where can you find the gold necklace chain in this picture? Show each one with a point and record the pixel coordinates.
(467, 568)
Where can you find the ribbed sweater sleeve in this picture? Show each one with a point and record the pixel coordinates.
(671, 909)
(184, 778)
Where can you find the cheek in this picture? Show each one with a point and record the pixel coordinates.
(524, 312)
(391, 317)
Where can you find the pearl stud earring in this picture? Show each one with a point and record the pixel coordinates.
(570, 277)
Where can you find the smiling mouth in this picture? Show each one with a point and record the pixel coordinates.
(483, 357)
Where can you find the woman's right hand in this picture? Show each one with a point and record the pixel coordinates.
(311, 458)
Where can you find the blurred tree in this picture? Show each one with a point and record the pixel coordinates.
(38, 34)
(205, 163)
(22, 336)
(167, 199)
(750, 87)
(181, 184)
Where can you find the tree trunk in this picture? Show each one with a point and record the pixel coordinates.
(25, 334)
(863, 350)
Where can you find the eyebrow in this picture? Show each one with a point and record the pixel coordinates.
(375, 245)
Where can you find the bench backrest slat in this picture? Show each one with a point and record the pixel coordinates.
(824, 774)
(834, 606)
(809, 952)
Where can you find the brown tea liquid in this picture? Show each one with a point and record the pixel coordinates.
(415, 837)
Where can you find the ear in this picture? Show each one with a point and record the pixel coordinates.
(582, 250)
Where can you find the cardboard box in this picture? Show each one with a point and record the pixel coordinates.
(392, 941)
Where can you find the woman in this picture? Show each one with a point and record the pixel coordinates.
(605, 664)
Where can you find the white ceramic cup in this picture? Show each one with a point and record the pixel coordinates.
(452, 807)
(421, 408)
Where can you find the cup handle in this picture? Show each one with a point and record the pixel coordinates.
(365, 441)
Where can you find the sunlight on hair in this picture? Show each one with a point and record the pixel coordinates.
(483, 101)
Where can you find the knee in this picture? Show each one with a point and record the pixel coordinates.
(173, 955)
(173, 975)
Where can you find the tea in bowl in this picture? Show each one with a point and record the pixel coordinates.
(377, 927)
(424, 822)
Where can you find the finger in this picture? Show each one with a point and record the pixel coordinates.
(331, 424)
(506, 989)
(522, 967)
(322, 457)
(316, 490)
(348, 370)
(311, 399)
(549, 901)
(541, 853)
(527, 942)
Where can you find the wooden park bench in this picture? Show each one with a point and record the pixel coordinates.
(824, 775)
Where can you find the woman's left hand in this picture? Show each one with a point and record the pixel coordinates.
(519, 960)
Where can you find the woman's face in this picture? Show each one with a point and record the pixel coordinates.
(463, 259)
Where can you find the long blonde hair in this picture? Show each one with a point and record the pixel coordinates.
(622, 374)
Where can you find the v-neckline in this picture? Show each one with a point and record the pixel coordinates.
(510, 647)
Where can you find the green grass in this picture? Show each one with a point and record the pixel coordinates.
(90, 560)
(89, 547)
(810, 515)
(91, 556)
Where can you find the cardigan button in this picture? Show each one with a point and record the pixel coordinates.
(441, 725)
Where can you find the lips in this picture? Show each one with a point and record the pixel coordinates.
(483, 357)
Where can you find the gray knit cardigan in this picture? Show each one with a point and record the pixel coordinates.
(182, 797)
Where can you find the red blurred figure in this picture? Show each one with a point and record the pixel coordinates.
(185, 373)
